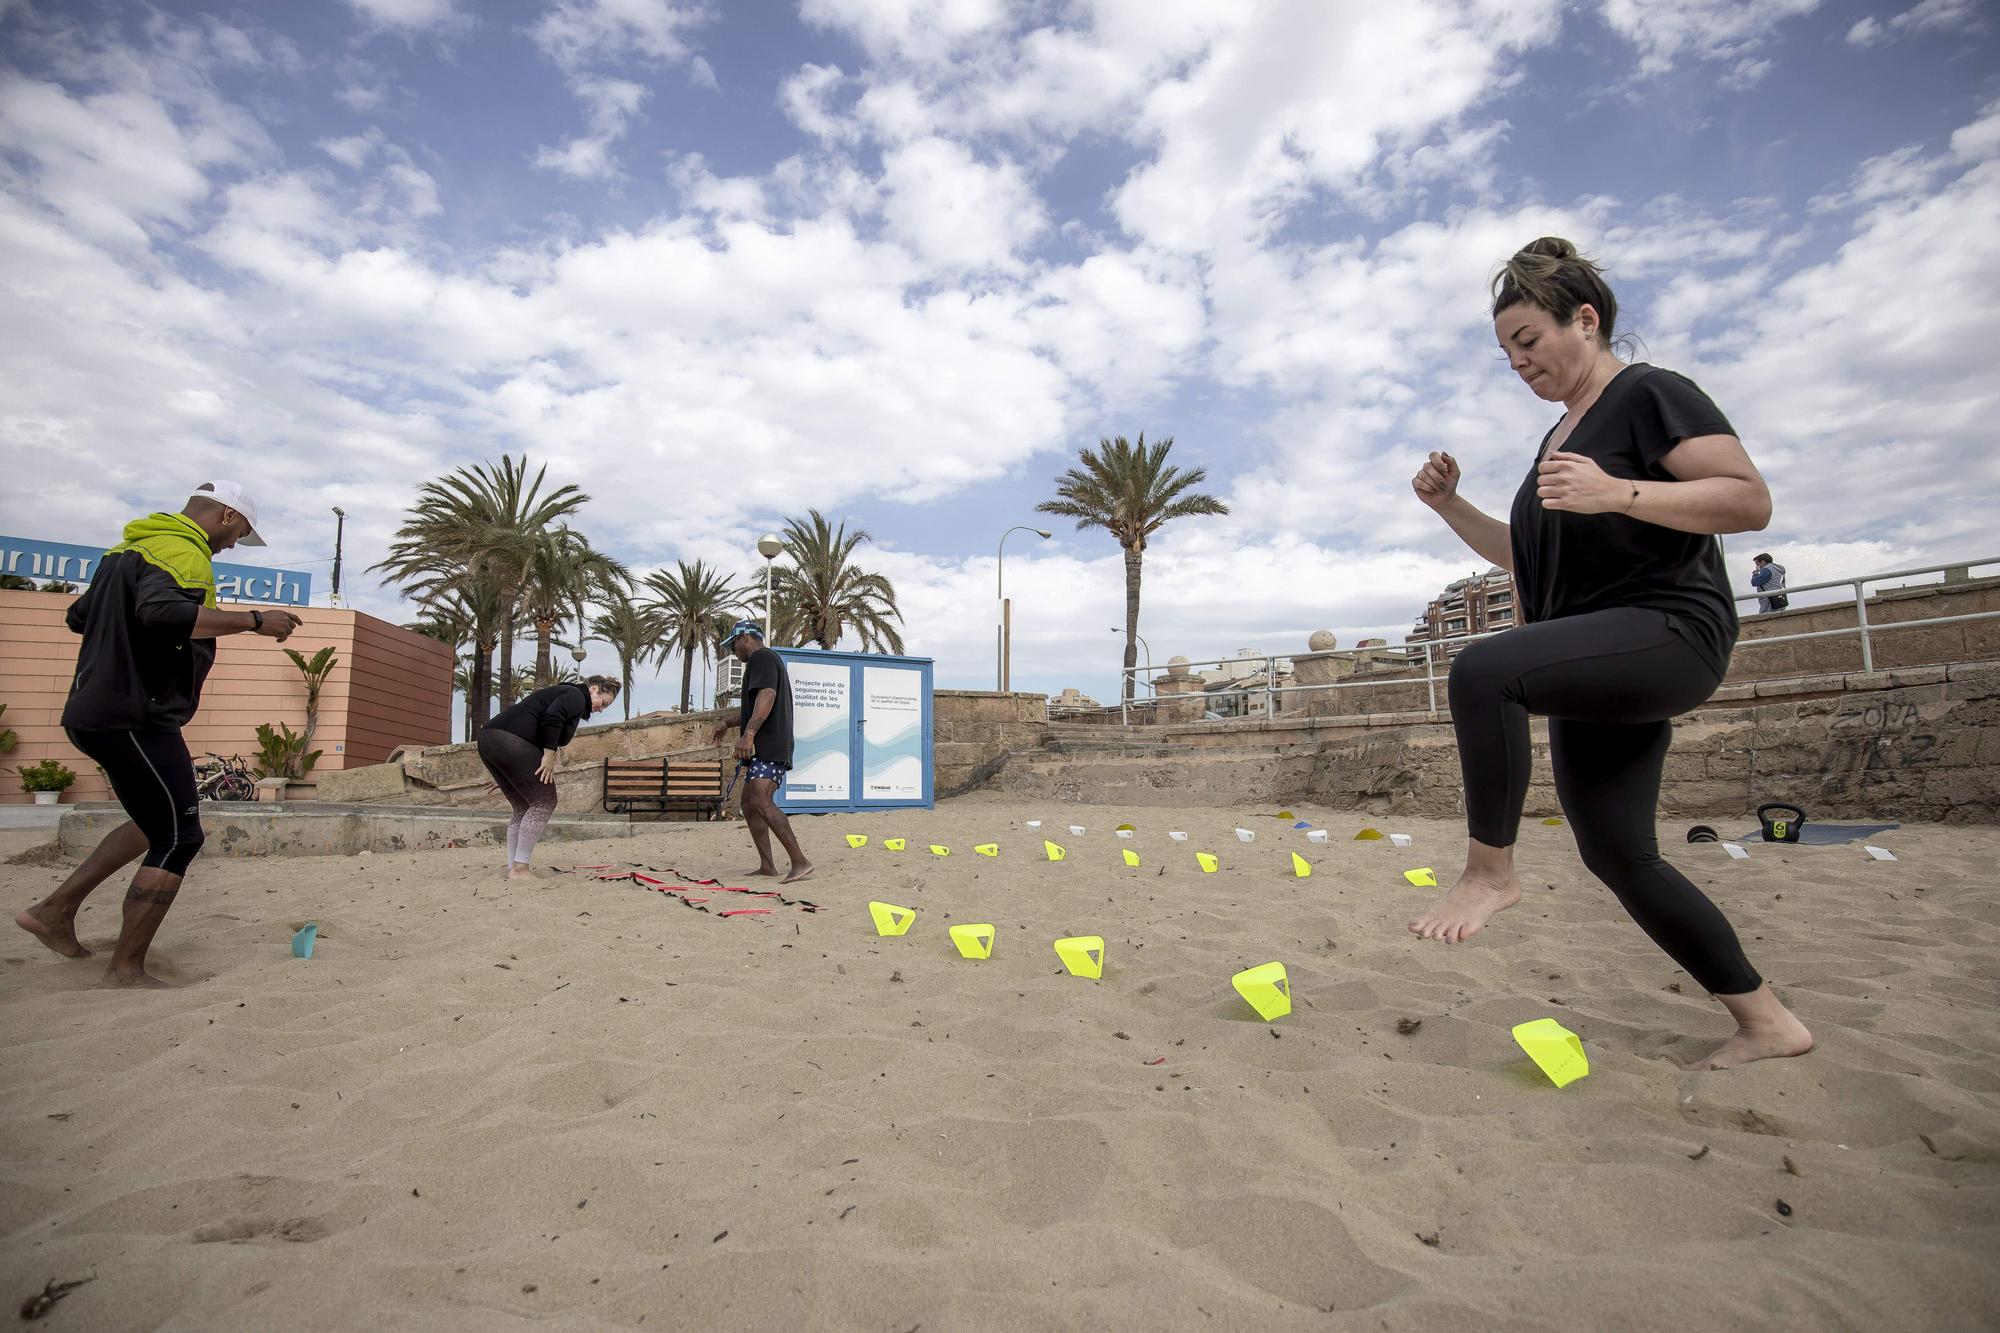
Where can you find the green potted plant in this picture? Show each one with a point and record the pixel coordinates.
(47, 779)
(282, 757)
(7, 737)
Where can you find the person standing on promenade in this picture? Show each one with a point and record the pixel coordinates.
(149, 623)
(1768, 578)
(1628, 623)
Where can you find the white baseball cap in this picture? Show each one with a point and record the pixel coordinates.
(231, 495)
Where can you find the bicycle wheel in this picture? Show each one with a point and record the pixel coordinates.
(235, 787)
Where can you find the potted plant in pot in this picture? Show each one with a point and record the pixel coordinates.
(282, 758)
(48, 780)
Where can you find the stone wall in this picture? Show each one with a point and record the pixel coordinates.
(1921, 745)
(975, 729)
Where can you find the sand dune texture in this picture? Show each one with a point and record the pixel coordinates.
(483, 1106)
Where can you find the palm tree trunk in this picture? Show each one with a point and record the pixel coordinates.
(1133, 559)
(507, 649)
(687, 675)
(544, 633)
(480, 708)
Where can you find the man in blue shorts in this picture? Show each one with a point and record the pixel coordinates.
(764, 747)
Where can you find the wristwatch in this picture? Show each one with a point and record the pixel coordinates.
(257, 622)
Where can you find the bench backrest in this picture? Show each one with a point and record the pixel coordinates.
(695, 778)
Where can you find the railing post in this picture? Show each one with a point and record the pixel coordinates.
(1861, 619)
(1430, 677)
(1270, 688)
(1124, 698)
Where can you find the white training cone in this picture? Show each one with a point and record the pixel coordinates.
(1879, 853)
(1400, 839)
(1245, 835)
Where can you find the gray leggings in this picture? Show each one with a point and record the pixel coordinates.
(513, 763)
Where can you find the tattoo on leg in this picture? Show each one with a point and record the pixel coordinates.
(163, 897)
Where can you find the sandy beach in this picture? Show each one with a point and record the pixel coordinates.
(586, 1105)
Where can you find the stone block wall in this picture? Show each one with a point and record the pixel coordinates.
(975, 730)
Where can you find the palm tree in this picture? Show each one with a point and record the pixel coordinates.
(463, 612)
(634, 634)
(1130, 492)
(481, 522)
(831, 595)
(563, 572)
(684, 606)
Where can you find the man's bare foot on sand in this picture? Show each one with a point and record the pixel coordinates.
(800, 871)
(1467, 908)
(132, 979)
(58, 933)
(763, 872)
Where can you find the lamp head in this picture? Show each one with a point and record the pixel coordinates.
(1043, 535)
(768, 546)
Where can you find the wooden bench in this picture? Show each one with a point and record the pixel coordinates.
(661, 786)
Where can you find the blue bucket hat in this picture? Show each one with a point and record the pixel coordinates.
(739, 629)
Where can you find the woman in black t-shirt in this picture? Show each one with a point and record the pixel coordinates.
(519, 747)
(1627, 622)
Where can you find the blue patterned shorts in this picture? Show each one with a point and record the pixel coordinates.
(768, 771)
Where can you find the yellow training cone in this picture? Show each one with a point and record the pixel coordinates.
(937, 850)
(988, 849)
(857, 840)
(1286, 814)
(1131, 857)
(1423, 877)
(1083, 955)
(890, 919)
(1369, 835)
(973, 941)
(1208, 862)
(1267, 990)
(1300, 866)
(895, 844)
(1127, 828)
(1553, 819)
(1053, 852)
(1553, 1047)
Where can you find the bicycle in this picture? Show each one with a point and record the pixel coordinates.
(224, 779)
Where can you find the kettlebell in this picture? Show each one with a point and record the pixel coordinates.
(1780, 828)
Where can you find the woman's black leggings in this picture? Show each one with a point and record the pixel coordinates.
(1610, 684)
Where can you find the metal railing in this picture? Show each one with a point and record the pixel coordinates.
(1428, 653)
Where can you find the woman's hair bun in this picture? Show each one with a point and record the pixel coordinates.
(1548, 272)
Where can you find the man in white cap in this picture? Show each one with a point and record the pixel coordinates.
(149, 622)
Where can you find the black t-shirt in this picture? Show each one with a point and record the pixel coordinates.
(765, 670)
(548, 716)
(1568, 564)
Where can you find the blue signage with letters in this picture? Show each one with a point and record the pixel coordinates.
(58, 561)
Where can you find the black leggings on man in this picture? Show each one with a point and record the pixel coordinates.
(152, 775)
(1610, 683)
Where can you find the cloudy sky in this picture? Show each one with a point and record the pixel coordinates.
(899, 259)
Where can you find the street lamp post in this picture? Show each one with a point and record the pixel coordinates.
(768, 546)
(339, 532)
(1149, 656)
(1003, 629)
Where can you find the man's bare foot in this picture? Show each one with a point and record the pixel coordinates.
(1761, 1041)
(764, 872)
(132, 979)
(1467, 908)
(801, 871)
(55, 932)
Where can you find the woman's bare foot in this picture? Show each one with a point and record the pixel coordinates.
(1467, 908)
(132, 979)
(1765, 1030)
(799, 872)
(57, 932)
(520, 872)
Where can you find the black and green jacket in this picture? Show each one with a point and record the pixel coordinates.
(140, 668)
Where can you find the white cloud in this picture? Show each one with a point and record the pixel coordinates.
(1726, 31)
(1927, 16)
(911, 29)
(612, 103)
(406, 15)
(590, 41)
(956, 211)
